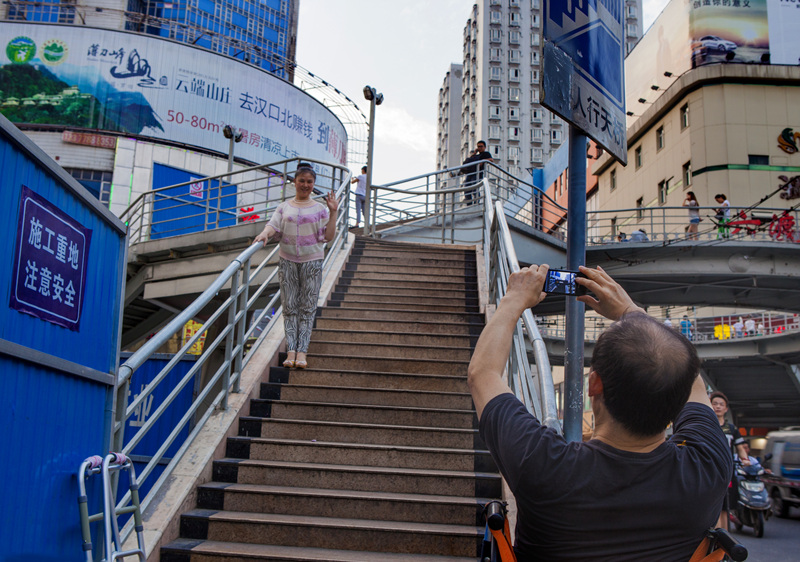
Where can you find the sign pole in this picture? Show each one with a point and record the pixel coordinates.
(576, 256)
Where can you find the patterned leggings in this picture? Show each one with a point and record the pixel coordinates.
(300, 284)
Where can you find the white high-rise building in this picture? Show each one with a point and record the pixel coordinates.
(500, 86)
(448, 140)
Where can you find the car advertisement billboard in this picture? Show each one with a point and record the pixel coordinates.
(731, 31)
(144, 85)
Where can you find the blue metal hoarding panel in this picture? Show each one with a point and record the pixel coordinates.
(194, 207)
(57, 383)
(148, 446)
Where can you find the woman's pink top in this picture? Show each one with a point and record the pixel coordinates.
(300, 231)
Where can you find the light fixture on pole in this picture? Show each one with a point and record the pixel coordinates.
(374, 98)
(235, 135)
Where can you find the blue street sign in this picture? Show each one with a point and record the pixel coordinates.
(583, 79)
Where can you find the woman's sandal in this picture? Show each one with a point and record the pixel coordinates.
(300, 364)
(289, 363)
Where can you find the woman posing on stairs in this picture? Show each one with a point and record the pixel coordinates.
(302, 226)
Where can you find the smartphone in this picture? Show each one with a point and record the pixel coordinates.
(562, 282)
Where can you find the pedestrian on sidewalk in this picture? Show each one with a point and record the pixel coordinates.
(474, 173)
(361, 193)
(723, 215)
(303, 227)
(694, 215)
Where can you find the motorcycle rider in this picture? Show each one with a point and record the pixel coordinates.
(719, 403)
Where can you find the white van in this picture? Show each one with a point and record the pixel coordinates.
(783, 477)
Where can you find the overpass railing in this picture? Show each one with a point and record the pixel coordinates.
(535, 389)
(224, 356)
(203, 204)
(701, 328)
(443, 204)
(671, 224)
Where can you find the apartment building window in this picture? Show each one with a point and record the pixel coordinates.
(684, 116)
(494, 150)
(514, 18)
(687, 174)
(495, 54)
(631, 11)
(758, 159)
(513, 133)
(555, 119)
(494, 92)
(513, 3)
(513, 94)
(536, 21)
(612, 177)
(514, 37)
(663, 191)
(536, 115)
(535, 76)
(536, 154)
(640, 208)
(555, 136)
(536, 134)
(513, 153)
(514, 55)
(496, 2)
(495, 17)
(535, 58)
(637, 157)
(660, 138)
(513, 74)
(513, 114)
(535, 39)
(496, 73)
(535, 95)
(494, 112)
(631, 30)
(494, 131)
(496, 35)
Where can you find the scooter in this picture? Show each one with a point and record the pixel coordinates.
(753, 506)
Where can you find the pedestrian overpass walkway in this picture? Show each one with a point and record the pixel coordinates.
(756, 267)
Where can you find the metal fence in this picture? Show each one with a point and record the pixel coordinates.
(224, 354)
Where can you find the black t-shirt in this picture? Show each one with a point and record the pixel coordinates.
(580, 501)
(733, 436)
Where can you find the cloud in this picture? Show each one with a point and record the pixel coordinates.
(396, 126)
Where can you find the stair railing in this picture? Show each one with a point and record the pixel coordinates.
(536, 391)
(230, 340)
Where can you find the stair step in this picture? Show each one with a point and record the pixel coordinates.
(346, 323)
(369, 379)
(371, 257)
(433, 290)
(377, 434)
(399, 351)
(388, 296)
(363, 478)
(388, 305)
(320, 502)
(357, 395)
(191, 550)
(398, 276)
(397, 365)
(401, 267)
(406, 315)
(339, 534)
(393, 338)
(360, 454)
(362, 413)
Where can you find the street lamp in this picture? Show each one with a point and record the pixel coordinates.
(374, 98)
(235, 135)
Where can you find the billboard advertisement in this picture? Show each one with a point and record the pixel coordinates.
(784, 23)
(732, 31)
(144, 85)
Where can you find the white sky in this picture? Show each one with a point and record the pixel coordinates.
(403, 49)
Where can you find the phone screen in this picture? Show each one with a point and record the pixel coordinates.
(562, 282)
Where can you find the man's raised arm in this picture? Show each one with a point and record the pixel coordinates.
(491, 352)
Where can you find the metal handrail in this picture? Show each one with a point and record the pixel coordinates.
(502, 260)
(233, 336)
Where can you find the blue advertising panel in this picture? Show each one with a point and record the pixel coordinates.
(584, 69)
(50, 260)
(193, 207)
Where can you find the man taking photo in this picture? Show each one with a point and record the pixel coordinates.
(628, 493)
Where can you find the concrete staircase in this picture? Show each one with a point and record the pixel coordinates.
(372, 453)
